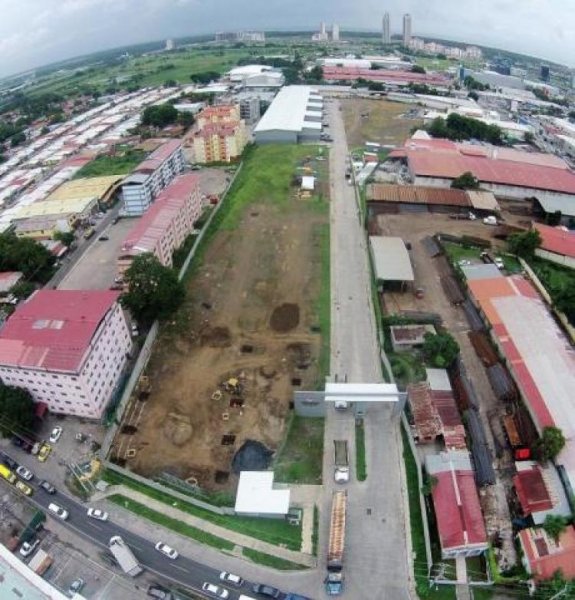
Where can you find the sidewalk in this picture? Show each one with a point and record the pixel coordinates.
(239, 539)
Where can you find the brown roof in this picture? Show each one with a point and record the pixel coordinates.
(532, 491)
(414, 194)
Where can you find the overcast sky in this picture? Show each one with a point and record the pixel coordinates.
(37, 32)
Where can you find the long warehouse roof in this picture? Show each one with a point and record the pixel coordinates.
(288, 110)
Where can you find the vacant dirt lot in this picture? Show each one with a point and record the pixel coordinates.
(382, 121)
(252, 314)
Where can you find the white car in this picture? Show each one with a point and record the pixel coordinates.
(27, 548)
(56, 434)
(24, 473)
(215, 590)
(98, 514)
(60, 512)
(490, 220)
(167, 550)
(231, 578)
(498, 262)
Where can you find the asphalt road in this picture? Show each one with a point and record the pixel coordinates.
(182, 571)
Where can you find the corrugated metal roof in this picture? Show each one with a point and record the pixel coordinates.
(413, 194)
(545, 556)
(532, 491)
(287, 111)
(391, 258)
(555, 239)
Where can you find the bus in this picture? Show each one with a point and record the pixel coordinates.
(7, 474)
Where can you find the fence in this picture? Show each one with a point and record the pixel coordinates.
(146, 351)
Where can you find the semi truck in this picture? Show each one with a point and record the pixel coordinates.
(124, 556)
(341, 474)
(334, 579)
(40, 562)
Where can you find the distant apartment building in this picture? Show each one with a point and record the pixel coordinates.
(152, 175)
(222, 113)
(220, 142)
(386, 33)
(68, 348)
(165, 226)
(406, 29)
(250, 109)
(335, 32)
(240, 36)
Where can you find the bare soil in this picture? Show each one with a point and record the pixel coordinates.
(250, 315)
(377, 121)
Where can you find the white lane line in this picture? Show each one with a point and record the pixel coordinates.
(180, 568)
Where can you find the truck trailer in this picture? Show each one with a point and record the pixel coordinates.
(341, 473)
(334, 578)
(124, 556)
(40, 562)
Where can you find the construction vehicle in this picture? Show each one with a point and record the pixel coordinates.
(40, 562)
(341, 474)
(7, 474)
(233, 386)
(124, 556)
(334, 579)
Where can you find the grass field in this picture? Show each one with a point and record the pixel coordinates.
(271, 561)
(111, 165)
(300, 459)
(360, 462)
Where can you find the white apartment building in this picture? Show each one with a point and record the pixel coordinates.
(68, 348)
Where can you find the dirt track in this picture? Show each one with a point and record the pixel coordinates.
(252, 312)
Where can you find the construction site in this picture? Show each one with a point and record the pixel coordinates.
(222, 374)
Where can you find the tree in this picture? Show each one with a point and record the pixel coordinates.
(17, 139)
(154, 291)
(554, 218)
(205, 77)
(529, 137)
(524, 244)
(159, 115)
(314, 75)
(549, 444)
(186, 119)
(466, 181)
(473, 95)
(564, 300)
(27, 256)
(22, 290)
(66, 237)
(17, 410)
(440, 349)
(555, 525)
(418, 69)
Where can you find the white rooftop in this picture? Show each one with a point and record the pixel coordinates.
(438, 380)
(361, 392)
(287, 111)
(256, 495)
(391, 258)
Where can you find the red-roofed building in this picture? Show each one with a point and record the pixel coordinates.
(221, 113)
(166, 224)
(456, 501)
(542, 556)
(398, 78)
(68, 348)
(220, 142)
(557, 244)
(8, 279)
(532, 491)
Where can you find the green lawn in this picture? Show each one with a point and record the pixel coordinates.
(300, 459)
(173, 524)
(323, 304)
(273, 531)
(456, 252)
(111, 165)
(360, 462)
(271, 561)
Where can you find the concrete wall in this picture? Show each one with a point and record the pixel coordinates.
(276, 137)
(565, 261)
(309, 404)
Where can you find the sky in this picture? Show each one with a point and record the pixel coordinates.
(38, 32)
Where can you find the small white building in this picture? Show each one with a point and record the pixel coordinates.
(256, 496)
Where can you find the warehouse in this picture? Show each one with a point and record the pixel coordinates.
(293, 116)
(391, 261)
(557, 245)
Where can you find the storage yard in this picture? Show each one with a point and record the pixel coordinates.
(224, 370)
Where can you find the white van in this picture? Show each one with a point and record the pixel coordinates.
(60, 512)
(244, 597)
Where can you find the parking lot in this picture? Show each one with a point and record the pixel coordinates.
(96, 269)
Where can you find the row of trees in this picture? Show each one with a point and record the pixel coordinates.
(26, 255)
(458, 127)
(162, 115)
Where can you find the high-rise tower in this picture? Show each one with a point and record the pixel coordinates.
(385, 34)
(406, 29)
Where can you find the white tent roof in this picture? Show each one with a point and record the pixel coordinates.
(256, 494)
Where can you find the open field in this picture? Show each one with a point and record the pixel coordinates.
(384, 123)
(254, 312)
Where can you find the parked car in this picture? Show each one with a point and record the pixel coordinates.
(167, 550)
(10, 463)
(25, 489)
(116, 219)
(44, 452)
(103, 238)
(76, 586)
(296, 597)
(160, 592)
(28, 547)
(134, 329)
(231, 578)
(25, 473)
(215, 590)
(498, 262)
(490, 220)
(60, 512)
(266, 590)
(56, 434)
(48, 487)
(96, 513)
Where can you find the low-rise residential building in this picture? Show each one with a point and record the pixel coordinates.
(543, 556)
(43, 227)
(68, 348)
(165, 226)
(153, 174)
(219, 142)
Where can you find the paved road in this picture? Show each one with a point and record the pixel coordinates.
(376, 563)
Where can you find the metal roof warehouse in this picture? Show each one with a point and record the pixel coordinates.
(391, 259)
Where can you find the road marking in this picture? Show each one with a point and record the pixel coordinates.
(180, 568)
(94, 525)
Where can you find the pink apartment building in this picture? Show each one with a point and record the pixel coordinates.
(68, 348)
(166, 224)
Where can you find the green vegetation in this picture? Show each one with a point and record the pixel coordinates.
(457, 127)
(524, 244)
(555, 525)
(26, 255)
(180, 254)
(559, 282)
(440, 350)
(170, 523)
(119, 164)
(159, 115)
(315, 535)
(323, 303)
(550, 444)
(407, 367)
(466, 181)
(273, 531)
(271, 561)
(154, 291)
(66, 237)
(17, 410)
(457, 252)
(360, 461)
(301, 457)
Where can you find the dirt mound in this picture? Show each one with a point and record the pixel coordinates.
(216, 337)
(177, 428)
(252, 456)
(285, 317)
